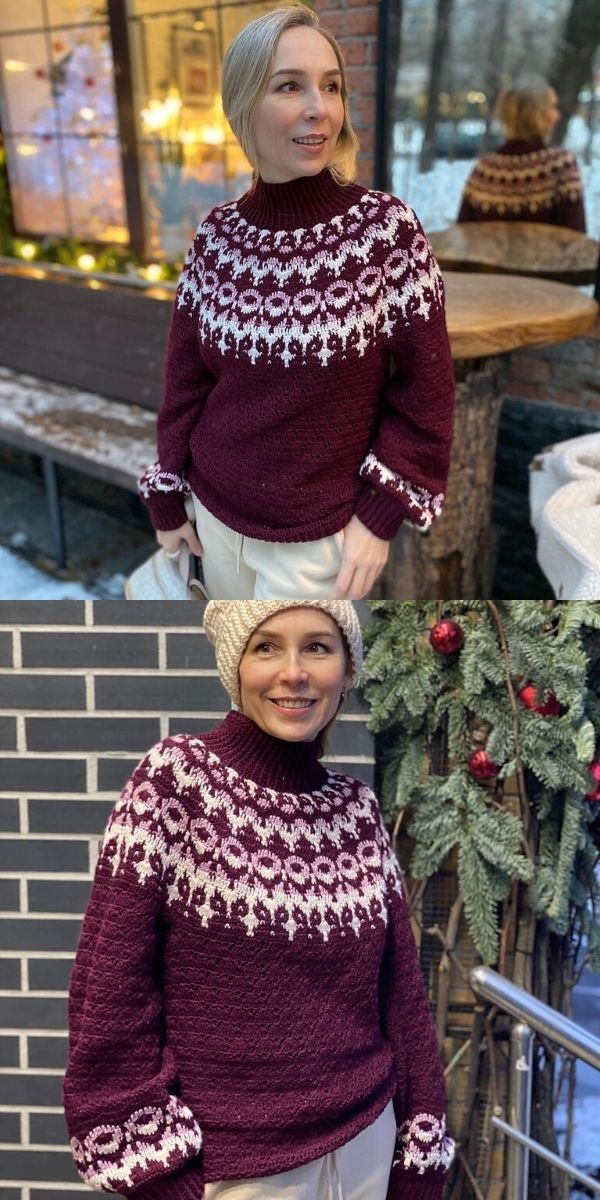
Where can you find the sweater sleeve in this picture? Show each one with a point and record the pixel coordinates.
(405, 470)
(130, 1131)
(187, 382)
(568, 208)
(423, 1149)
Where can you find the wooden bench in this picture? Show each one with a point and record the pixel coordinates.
(81, 376)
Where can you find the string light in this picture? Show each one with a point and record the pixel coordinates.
(28, 251)
(153, 272)
(86, 262)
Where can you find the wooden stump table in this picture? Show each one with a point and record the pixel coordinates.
(517, 248)
(488, 316)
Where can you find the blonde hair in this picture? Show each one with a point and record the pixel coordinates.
(522, 109)
(246, 67)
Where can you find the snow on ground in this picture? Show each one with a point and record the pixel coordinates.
(19, 580)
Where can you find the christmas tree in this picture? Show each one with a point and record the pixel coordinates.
(487, 718)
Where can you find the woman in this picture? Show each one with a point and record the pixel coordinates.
(303, 452)
(247, 1013)
(525, 180)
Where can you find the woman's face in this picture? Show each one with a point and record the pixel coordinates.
(293, 672)
(303, 100)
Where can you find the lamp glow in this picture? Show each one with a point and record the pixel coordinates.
(153, 272)
(86, 262)
(28, 251)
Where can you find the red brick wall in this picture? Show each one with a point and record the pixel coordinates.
(568, 373)
(355, 24)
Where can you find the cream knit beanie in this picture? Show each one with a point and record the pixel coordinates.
(229, 624)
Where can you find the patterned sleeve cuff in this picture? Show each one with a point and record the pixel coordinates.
(164, 492)
(418, 505)
(154, 1140)
(424, 1143)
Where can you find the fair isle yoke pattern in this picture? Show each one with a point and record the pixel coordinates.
(525, 181)
(308, 343)
(255, 855)
(352, 282)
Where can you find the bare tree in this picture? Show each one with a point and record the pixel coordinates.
(438, 56)
(572, 65)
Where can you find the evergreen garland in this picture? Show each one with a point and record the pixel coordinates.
(433, 709)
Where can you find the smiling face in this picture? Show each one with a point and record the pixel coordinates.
(292, 673)
(299, 118)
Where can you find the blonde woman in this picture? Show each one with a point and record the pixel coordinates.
(309, 383)
(247, 1011)
(524, 179)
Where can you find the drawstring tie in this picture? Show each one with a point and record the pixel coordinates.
(333, 1177)
(238, 553)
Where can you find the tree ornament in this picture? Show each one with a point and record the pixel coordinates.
(481, 766)
(446, 637)
(594, 794)
(529, 698)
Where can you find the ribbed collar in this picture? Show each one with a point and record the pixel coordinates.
(268, 761)
(520, 146)
(301, 203)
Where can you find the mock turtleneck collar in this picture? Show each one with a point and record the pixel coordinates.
(269, 761)
(301, 203)
(521, 146)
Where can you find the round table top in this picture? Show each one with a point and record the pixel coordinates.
(490, 314)
(519, 248)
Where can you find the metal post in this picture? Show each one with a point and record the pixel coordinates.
(519, 1109)
(56, 524)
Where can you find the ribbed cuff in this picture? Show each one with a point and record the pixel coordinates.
(409, 1185)
(167, 511)
(184, 1184)
(380, 512)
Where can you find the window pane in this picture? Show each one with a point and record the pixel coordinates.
(74, 12)
(27, 85)
(95, 189)
(179, 194)
(84, 93)
(27, 14)
(36, 186)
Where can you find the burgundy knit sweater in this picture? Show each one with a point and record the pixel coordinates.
(246, 995)
(525, 181)
(281, 411)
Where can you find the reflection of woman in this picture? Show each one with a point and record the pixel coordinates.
(247, 1012)
(303, 451)
(524, 180)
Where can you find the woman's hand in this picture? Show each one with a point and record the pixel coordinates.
(171, 539)
(363, 558)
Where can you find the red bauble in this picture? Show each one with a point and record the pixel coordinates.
(89, 81)
(594, 794)
(481, 766)
(529, 697)
(447, 637)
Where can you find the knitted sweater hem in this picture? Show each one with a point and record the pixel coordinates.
(309, 531)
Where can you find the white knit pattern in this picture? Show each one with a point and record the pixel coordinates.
(272, 884)
(424, 506)
(368, 283)
(111, 1155)
(156, 480)
(423, 1143)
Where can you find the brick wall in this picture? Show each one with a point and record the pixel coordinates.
(355, 24)
(85, 689)
(567, 373)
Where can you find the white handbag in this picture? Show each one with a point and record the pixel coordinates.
(564, 497)
(166, 577)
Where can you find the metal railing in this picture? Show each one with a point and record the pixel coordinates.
(532, 1016)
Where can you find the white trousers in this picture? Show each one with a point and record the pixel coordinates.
(360, 1170)
(243, 568)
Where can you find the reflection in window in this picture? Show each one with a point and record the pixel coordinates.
(59, 121)
(190, 160)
